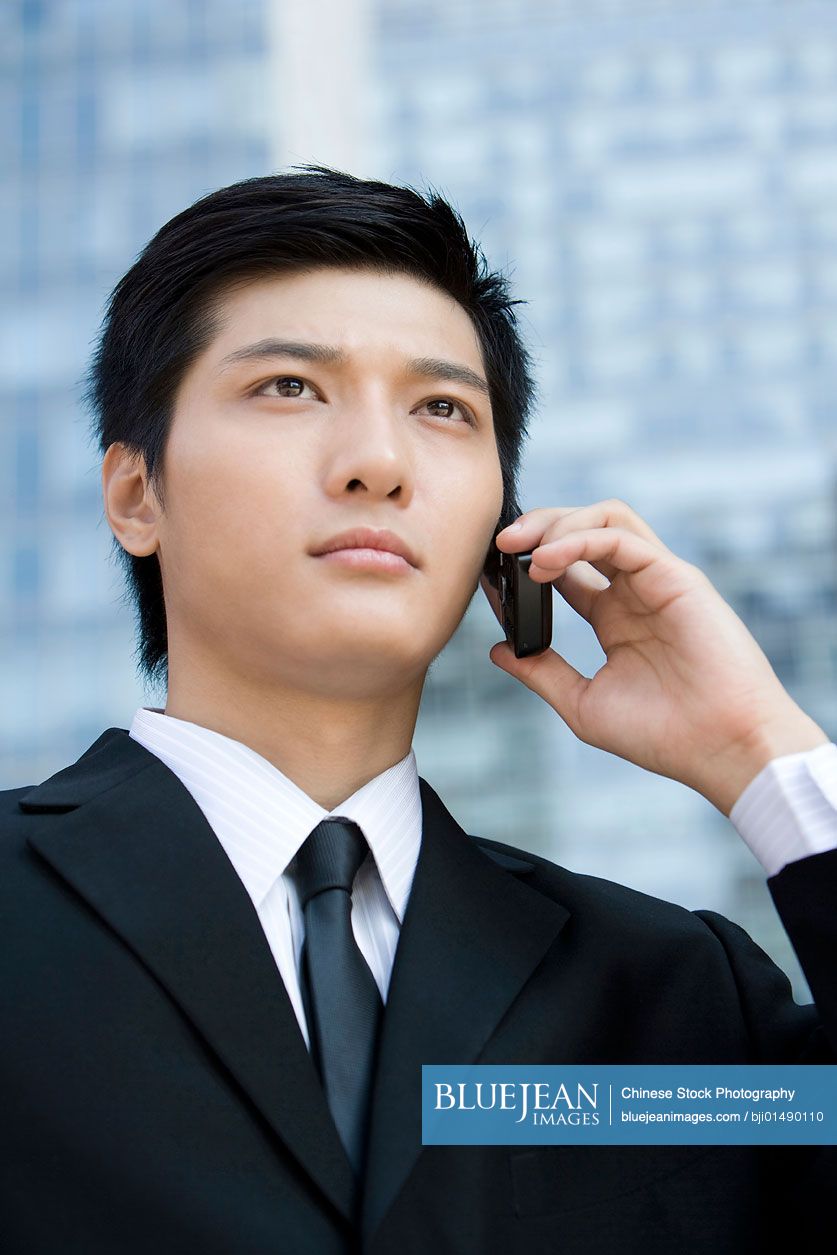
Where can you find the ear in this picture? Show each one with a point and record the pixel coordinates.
(131, 505)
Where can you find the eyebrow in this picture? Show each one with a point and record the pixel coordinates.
(426, 367)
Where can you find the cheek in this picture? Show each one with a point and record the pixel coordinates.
(481, 503)
(227, 512)
(232, 474)
(465, 529)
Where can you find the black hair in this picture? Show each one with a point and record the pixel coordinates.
(161, 315)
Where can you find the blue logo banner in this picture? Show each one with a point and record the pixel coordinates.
(630, 1104)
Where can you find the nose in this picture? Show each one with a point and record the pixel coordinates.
(369, 451)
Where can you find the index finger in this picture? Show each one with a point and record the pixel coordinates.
(523, 526)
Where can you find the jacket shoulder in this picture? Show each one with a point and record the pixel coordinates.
(10, 811)
(9, 799)
(13, 826)
(599, 901)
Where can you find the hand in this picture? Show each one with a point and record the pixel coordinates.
(686, 691)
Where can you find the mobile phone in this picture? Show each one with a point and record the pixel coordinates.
(526, 605)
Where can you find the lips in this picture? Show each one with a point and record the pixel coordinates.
(368, 538)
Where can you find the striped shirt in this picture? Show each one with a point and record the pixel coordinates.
(262, 818)
(790, 809)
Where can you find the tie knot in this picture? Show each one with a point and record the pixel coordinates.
(329, 858)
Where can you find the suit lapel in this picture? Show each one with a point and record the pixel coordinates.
(120, 828)
(472, 935)
(129, 837)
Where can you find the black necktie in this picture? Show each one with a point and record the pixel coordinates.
(342, 1002)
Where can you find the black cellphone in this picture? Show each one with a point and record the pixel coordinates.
(526, 604)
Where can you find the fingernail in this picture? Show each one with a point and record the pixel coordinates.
(512, 527)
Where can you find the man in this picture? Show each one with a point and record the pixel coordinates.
(311, 395)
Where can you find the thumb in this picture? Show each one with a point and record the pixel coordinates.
(547, 674)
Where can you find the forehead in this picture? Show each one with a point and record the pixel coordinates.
(361, 311)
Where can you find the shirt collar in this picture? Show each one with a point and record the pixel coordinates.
(262, 818)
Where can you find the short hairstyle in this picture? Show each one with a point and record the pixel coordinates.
(163, 313)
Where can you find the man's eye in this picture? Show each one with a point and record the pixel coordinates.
(451, 405)
(292, 386)
(281, 383)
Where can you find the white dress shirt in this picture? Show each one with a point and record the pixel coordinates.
(790, 809)
(262, 818)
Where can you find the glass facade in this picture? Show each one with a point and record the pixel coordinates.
(120, 115)
(658, 176)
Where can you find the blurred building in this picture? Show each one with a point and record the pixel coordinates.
(659, 178)
(122, 114)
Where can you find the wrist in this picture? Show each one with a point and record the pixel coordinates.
(792, 733)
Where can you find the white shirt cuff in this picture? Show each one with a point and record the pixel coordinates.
(789, 810)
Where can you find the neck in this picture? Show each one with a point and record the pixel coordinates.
(328, 746)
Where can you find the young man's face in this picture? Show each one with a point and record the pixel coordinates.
(272, 452)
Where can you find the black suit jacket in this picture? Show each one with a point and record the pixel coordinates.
(157, 1095)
